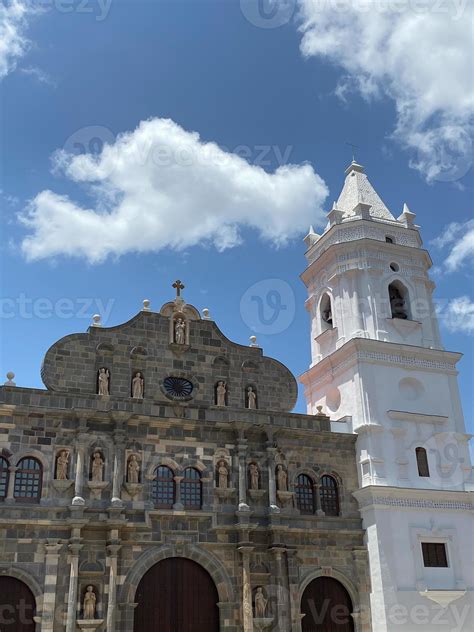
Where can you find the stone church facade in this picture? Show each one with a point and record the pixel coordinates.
(159, 443)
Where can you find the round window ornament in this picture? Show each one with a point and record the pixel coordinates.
(178, 387)
(394, 267)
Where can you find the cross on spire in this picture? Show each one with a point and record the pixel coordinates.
(178, 286)
(354, 147)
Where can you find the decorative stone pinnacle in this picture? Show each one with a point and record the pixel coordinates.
(178, 286)
(10, 376)
(253, 341)
(146, 305)
(96, 320)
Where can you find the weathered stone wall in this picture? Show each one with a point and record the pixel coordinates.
(143, 344)
(284, 549)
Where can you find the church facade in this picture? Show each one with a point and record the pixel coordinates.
(162, 483)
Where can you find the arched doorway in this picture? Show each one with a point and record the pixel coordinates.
(327, 607)
(176, 594)
(17, 606)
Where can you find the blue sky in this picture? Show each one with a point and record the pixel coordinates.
(290, 87)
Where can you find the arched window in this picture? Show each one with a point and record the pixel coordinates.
(399, 303)
(329, 496)
(28, 481)
(163, 492)
(422, 462)
(4, 475)
(325, 309)
(304, 494)
(191, 489)
(389, 240)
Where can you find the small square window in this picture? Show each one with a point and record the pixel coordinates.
(434, 555)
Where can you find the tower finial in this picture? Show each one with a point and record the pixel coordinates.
(354, 147)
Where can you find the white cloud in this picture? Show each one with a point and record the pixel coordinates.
(161, 186)
(13, 42)
(459, 236)
(417, 53)
(39, 75)
(459, 315)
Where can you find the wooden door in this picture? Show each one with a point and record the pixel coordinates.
(327, 607)
(176, 595)
(17, 606)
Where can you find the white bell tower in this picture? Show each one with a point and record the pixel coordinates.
(379, 369)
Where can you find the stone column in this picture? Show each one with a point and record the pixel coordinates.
(293, 592)
(10, 498)
(242, 452)
(317, 500)
(74, 549)
(112, 553)
(283, 589)
(79, 480)
(177, 484)
(117, 476)
(53, 550)
(271, 451)
(247, 610)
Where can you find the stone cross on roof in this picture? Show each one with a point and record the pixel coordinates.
(178, 286)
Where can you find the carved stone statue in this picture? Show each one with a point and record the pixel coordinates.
(137, 385)
(133, 469)
(180, 332)
(254, 475)
(282, 478)
(221, 392)
(62, 464)
(260, 603)
(90, 602)
(97, 468)
(223, 475)
(251, 398)
(104, 379)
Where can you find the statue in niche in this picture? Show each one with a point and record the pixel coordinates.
(97, 468)
(254, 475)
(221, 393)
(251, 398)
(137, 385)
(282, 478)
(133, 469)
(222, 475)
(90, 602)
(180, 332)
(104, 379)
(260, 603)
(62, 465)
(397, 303)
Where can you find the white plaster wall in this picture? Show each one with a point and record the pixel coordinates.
(398, 575)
